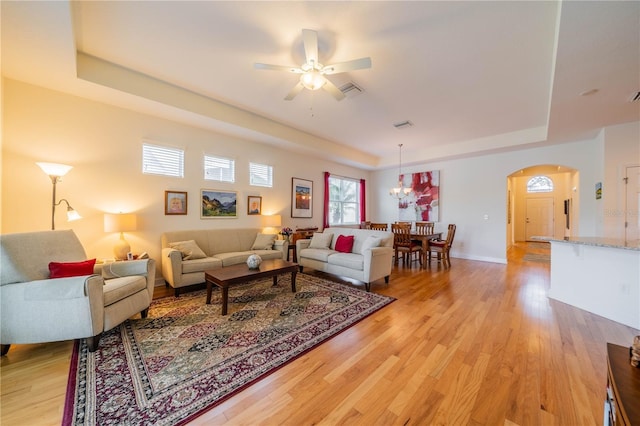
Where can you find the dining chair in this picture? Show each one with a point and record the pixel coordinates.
(442, 247)
(425, 228)
(402, 243)
(365, 225)
(379, 226)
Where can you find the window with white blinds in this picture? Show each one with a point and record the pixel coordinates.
(219, 168)
(162, 160)
(260, 175)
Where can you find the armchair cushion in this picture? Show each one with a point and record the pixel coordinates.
(189, 249)
(71, 269)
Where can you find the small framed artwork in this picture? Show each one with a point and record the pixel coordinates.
(175, 202)
(598, 190)
(218, 204)
(254, 205)
(301, 197)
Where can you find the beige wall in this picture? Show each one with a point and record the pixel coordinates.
(103, 144)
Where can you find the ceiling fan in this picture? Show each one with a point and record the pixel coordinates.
(312, 73)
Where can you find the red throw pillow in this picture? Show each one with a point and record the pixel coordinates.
(71, 269)
(344, 243)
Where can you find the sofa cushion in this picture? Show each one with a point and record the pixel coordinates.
(71, 269)
(189, 249)
(200, 265)
(348, 260)
(370, 242)
(263, 242)
(321, 240)
(268, 254)
(321, 254)
(233, 258)
(344, 243)
(121, 288)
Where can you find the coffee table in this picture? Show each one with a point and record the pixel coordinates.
(237, 274)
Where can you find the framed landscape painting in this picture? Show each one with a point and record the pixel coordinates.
(218, 204)
(301, 197)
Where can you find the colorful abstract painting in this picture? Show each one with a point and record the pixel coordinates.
(423, 203)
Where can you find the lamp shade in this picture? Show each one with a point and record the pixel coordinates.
(55, 169)
(120, 222)
(273, 221)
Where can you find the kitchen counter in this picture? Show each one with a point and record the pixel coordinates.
(599, 275)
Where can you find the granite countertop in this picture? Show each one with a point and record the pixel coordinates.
(596, 241)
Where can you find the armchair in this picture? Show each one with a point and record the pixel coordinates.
(36, 309)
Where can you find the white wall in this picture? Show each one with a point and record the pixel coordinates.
(471, 188)
(103, 144)
(621, 150)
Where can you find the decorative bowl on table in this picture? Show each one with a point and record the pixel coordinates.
(253, 262)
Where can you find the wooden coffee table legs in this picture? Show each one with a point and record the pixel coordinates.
(224, 288)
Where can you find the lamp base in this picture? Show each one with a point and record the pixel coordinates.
(121, 249)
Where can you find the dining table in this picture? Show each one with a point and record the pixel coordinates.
(424, 242)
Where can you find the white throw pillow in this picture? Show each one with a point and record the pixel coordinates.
(370, 242)
(189, 250)
(321, 240)
(263, 242)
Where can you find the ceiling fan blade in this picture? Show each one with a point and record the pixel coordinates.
(294, 70)
(333, 90)
(310, 40)
(296, 89)
(356, 64)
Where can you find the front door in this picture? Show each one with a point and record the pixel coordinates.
(539, 218)
(632, 215)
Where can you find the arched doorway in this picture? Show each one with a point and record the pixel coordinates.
(542, 201)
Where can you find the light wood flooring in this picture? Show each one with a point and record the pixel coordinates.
(476, 344)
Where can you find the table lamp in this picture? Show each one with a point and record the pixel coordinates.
(120, 223)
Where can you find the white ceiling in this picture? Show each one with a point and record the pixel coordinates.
(474, 77)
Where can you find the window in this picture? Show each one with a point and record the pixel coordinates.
(260, 175)
(344, 201)
(540, 184)
(161, 160)
(219, 168)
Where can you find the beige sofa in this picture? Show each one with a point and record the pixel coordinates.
(37, 309)
(369, 259)
(183, 263)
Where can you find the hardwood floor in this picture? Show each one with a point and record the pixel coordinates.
(476, 344)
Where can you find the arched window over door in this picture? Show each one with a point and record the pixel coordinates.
(540, 184)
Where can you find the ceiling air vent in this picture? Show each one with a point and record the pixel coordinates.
(403, 125)
(635, 97)
(351, 89)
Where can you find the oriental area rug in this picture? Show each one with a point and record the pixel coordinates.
(185, 357)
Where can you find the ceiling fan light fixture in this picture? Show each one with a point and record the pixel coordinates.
(312, 80)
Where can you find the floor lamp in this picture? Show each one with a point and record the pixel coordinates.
(55, 172)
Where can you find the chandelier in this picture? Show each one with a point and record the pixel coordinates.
(400, 191)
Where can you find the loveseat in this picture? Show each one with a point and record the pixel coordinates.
(362, 254)
(36, 308)
(187, 254)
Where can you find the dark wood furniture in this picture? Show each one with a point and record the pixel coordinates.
(241, 273)
(622, 404)
(423, 240)
(402, 243)
(442, 247)
(300, 234)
